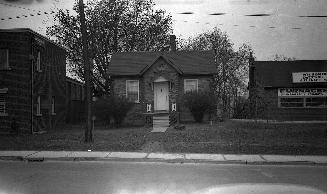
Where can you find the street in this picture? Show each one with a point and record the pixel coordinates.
(148, 177)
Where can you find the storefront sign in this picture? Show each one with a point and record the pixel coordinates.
(302, 77)
(302, 92)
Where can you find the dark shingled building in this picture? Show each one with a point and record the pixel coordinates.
(294, 90)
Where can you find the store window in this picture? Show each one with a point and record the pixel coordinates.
(291, 102)
(320, 102)
(302, 97)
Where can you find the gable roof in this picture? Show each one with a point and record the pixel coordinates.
(165, 59)
(185, 62)
(279, 73)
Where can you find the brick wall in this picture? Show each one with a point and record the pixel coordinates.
(23, 46)
(17, 80)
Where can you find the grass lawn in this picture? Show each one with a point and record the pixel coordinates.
(126, 139)
(229, 137)
(234, 137)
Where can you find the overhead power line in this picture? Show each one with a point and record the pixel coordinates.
(27, 15)
(20, 7)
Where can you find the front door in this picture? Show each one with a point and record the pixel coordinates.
(161, 98)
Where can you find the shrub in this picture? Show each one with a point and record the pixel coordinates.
(112, 107)
(198, 103)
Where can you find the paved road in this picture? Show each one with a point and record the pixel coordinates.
(147, 177)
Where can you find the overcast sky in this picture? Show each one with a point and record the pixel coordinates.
(283, 32)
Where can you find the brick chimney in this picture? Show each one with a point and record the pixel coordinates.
(172, 43)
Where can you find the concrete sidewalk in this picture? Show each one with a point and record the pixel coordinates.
(163, 157)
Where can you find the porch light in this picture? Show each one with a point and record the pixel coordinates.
(173, 107)
(148, 107)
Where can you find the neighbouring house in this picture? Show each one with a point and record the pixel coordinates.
(292, 90)
(32, 81)
(75, 95)
(157, 81)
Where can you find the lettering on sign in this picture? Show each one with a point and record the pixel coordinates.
(302, 92)
(301, 77)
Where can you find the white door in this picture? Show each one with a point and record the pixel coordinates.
(161, 97)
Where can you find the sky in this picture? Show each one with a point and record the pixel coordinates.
(281, 32)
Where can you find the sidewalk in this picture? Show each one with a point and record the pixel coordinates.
(161, 157)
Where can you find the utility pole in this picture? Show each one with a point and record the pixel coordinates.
(87, 71)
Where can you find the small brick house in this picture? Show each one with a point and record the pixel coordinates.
(32, 81)
(156, 81)
(294, 90)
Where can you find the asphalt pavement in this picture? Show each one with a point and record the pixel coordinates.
(123, 177)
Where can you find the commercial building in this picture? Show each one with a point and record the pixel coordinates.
(289, 90)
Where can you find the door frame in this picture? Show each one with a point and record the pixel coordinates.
(166, 84)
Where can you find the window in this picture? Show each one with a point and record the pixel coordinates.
(132, 90)
(190, 85)
(303, 102)
(38, 106)
(3, 111)
(53, 101)
(38, 62)
(4, 59)
(291, 102)
(316, 102)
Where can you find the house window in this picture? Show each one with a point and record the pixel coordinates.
(38, 62)
(53, 102)
(4, 59)
(132, 90)
(3, 93)
(38, 106)
(190, 85)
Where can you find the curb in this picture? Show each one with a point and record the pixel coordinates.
(41, 156)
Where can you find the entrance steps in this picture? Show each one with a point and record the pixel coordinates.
(160, 123)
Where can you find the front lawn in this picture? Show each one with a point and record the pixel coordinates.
(126, 139)
(234, 137)
(229, 137)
